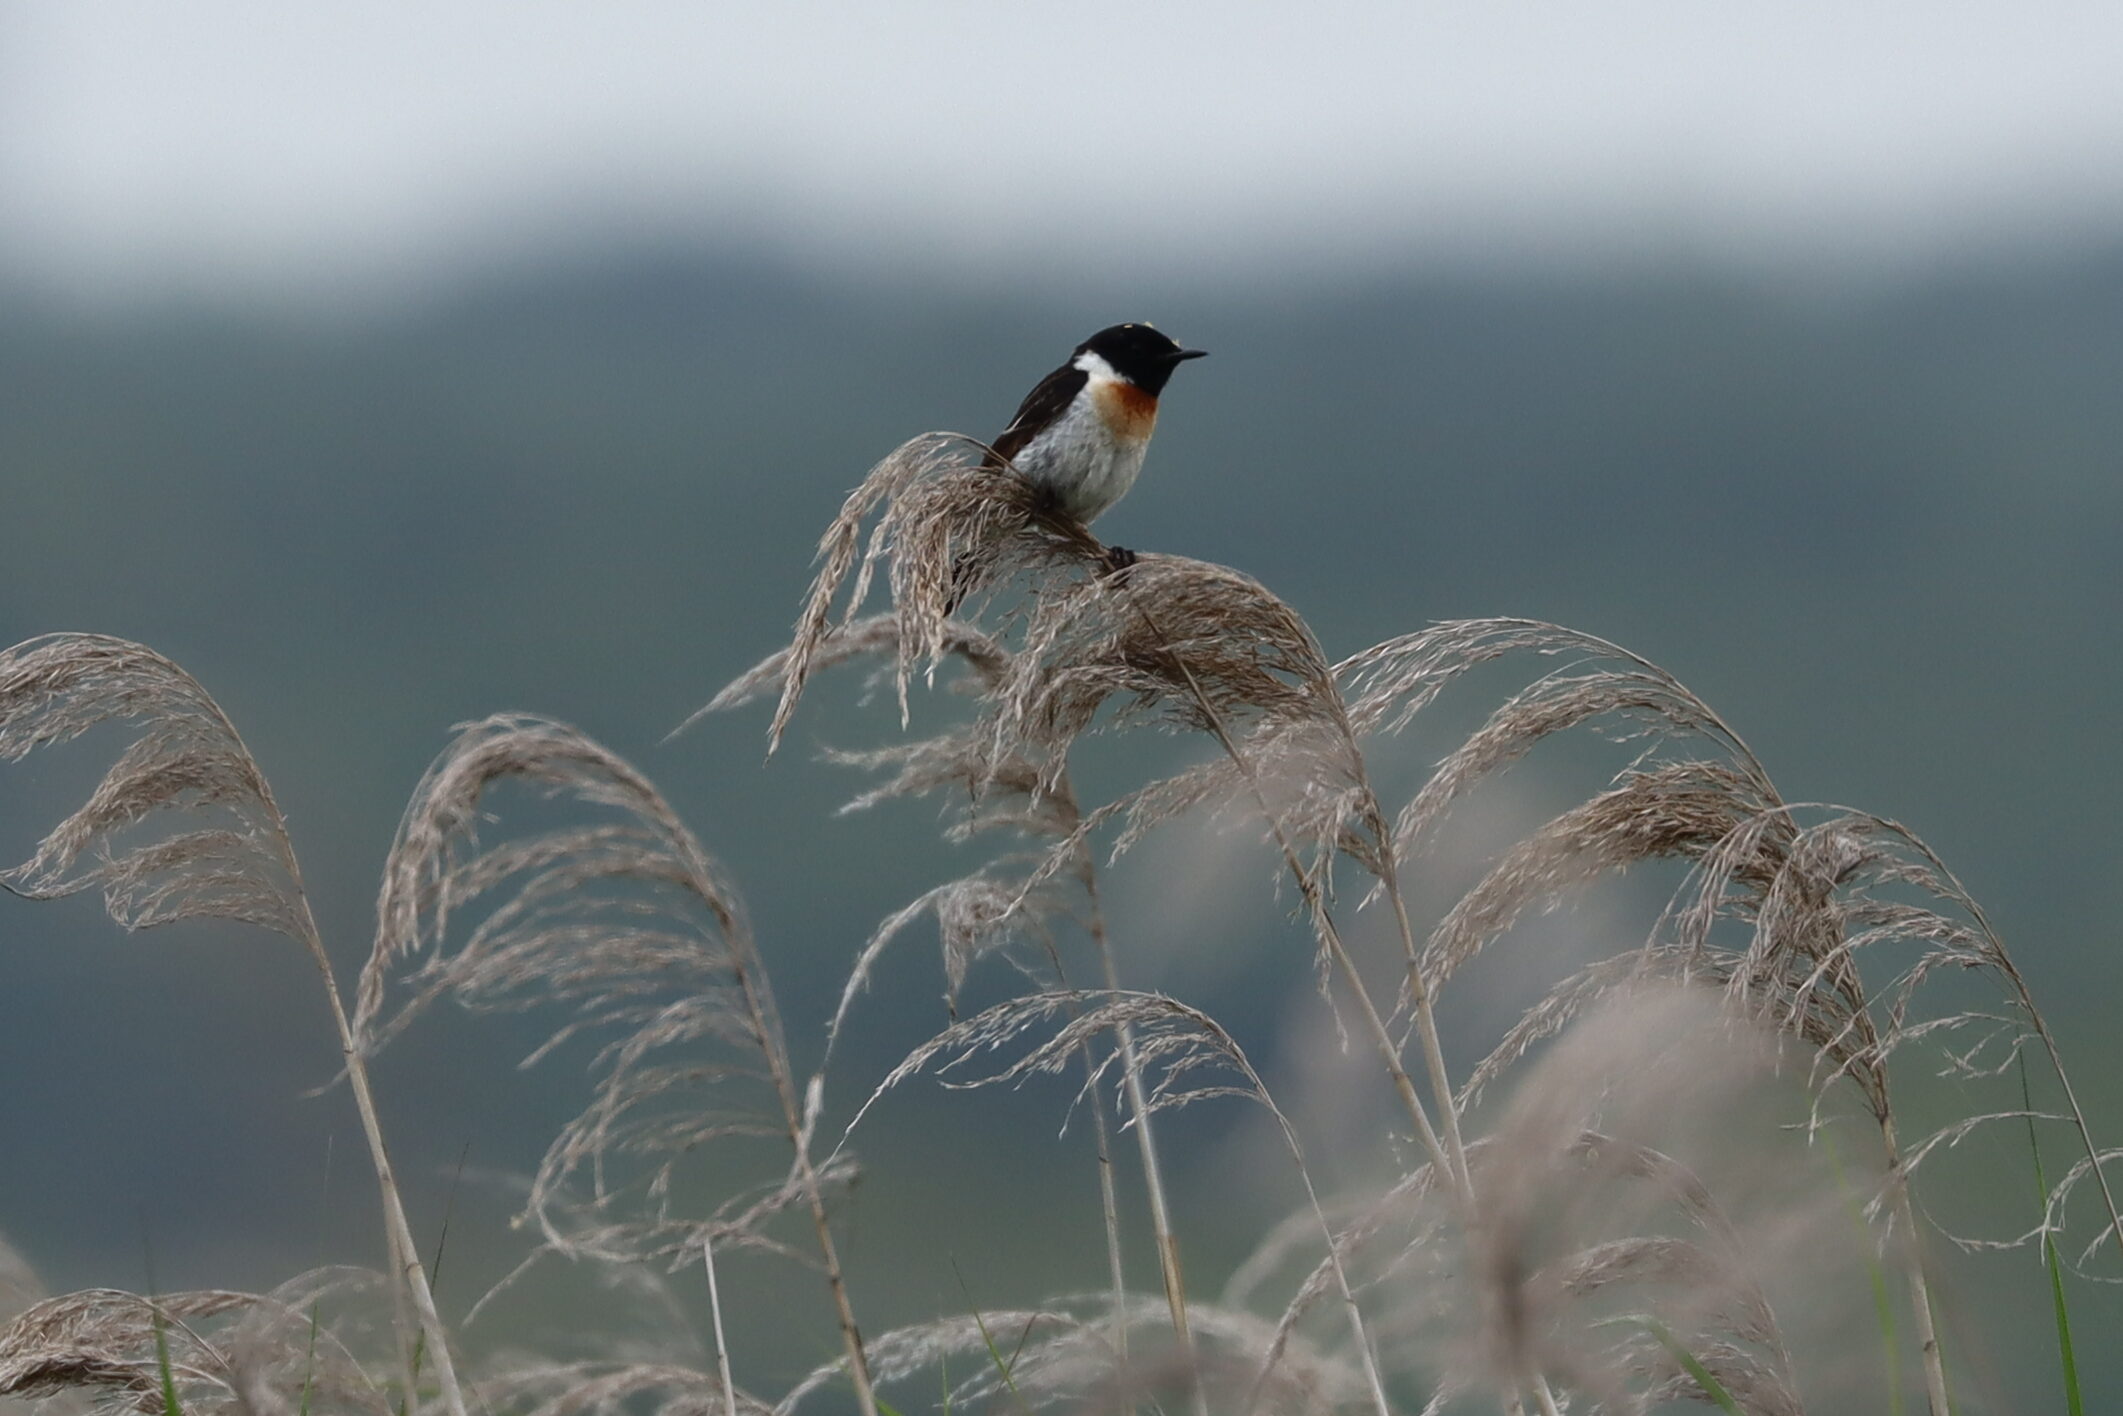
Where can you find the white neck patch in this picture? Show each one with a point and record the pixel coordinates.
(1096, 366)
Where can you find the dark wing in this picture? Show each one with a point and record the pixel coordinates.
(1048, 401)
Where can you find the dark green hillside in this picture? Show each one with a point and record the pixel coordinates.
(1877, 526)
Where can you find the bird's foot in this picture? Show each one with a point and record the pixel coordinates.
(1119, 561)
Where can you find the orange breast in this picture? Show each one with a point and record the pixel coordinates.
(1127, 410)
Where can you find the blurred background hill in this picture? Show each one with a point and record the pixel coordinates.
(1834, 434)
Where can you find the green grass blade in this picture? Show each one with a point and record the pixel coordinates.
(995, 1353)
(1689, 1363)
(2074, 1402)
(309, 1365)
(171, 1406)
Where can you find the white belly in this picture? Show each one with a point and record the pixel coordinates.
(1082, 462)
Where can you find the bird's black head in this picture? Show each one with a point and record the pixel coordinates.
(1139, 353)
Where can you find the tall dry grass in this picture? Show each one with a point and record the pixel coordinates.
(1598, 1240)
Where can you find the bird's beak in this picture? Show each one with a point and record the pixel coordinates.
(1189, 354)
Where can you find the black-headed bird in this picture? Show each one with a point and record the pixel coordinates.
(1081, 433)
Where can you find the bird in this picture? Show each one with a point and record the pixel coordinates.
(1080, 434)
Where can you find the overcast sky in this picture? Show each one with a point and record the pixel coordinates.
(260, 140)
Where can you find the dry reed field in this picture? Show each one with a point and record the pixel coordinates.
(1686, 1175)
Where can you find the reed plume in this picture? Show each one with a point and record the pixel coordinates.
(1179, 1056)
(590, 1388)
(1597, 1259)
(221, 850)
(1006, 900)
(946, 529)
(624, 925)
(1605, 1258)
(19, 1288)
(1061, 1356)
(212, 844)
(305, 1347)
(1811, 895)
